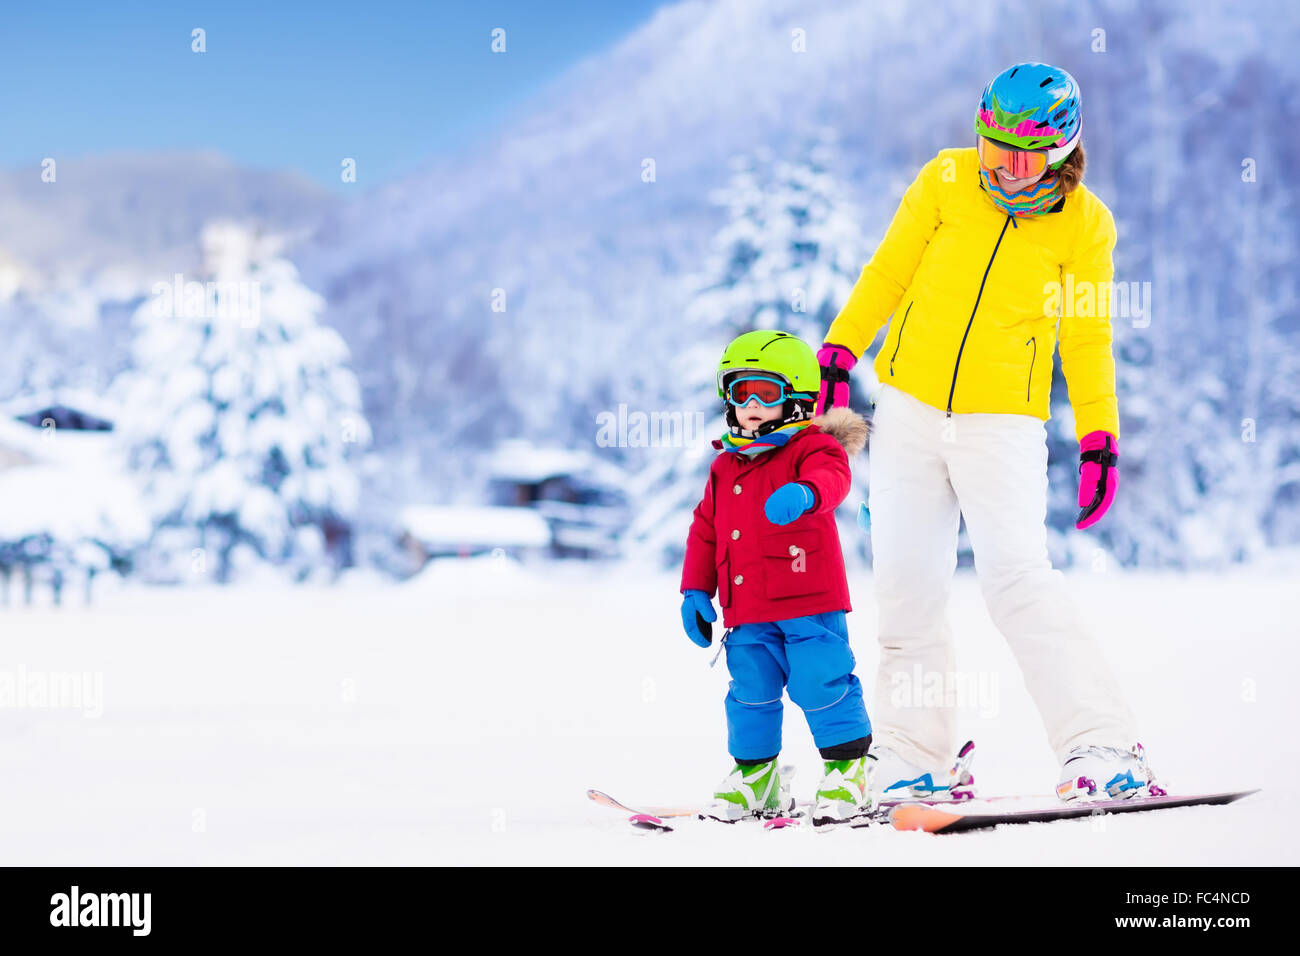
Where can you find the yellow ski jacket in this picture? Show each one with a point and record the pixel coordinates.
(976, 295)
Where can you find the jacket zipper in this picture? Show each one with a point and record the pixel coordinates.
(899, 344)
(1033, 340)
(971, 320)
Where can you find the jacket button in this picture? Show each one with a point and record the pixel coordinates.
(738, 579)
(735, 489)
(735, 534)
(794, 550)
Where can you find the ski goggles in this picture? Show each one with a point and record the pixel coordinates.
(768, 391)
(1019, 163)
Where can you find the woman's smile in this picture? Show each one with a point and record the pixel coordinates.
(1011, 184)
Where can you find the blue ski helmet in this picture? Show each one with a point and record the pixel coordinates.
(1032, 106)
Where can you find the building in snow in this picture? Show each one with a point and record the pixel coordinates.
(580, 496)
(430, 531)
(70, 510)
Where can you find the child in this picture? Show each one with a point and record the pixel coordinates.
(764, 538)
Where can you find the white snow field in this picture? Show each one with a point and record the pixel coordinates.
(459, 719)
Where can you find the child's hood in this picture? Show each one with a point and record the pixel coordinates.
(846, 426)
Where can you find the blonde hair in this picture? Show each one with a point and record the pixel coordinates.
(1071, 172)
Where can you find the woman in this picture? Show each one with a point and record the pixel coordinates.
(982, 240)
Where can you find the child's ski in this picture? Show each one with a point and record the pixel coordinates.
(801, 809)
(605, 800)
(646, 821)
(934, 819)
(780, 823)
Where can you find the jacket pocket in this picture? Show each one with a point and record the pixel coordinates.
(724, 582)
(899, 343)
(792, 563)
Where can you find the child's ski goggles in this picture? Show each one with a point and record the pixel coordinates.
(768, 391)
(1019, 163)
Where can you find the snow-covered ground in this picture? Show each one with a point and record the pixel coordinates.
(458, 719)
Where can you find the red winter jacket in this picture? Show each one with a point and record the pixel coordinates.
(767, 572)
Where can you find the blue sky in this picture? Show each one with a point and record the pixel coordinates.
(285, 84)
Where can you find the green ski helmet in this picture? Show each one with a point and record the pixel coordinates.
(780, 355)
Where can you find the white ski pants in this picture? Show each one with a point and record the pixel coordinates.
(928, 470)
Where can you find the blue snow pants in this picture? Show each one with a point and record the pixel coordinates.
(811, 656)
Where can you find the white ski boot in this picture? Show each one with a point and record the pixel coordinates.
(842, 795)
(891, 778)
(752, 790)
(1106, 773)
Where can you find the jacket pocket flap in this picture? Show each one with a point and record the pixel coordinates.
(789, 544)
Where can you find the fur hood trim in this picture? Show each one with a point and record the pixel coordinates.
(846, 426)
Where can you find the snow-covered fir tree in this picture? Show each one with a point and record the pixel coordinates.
(790, 250)
(786, 257)
(242, 419)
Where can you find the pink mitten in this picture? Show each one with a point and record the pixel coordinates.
(1098, 476)
(836, 362)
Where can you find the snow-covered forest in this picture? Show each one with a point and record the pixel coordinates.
(727, 166)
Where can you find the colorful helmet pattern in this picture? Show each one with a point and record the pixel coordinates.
(1033, 106)
(775, 353)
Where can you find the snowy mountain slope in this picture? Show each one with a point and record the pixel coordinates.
(555, 211)
(596, 264)
(460, 719)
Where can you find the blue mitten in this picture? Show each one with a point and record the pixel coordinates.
(698, 617)
(788, 502)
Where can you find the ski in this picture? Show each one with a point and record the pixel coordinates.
(605, 800)
(780, 823)
(649, 822)
(667, 813)
(801, 809)
(646, 821)
(787, 771)
(933, 819)
(650, 817)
